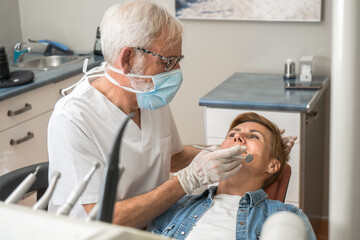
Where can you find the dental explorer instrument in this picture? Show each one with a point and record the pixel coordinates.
(248, 158)
(44, 200)
(76, 193)
(23, 187)
(111, 178)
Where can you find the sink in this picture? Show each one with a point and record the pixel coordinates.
(48, 62)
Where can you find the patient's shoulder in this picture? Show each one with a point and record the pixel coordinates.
(273, 206)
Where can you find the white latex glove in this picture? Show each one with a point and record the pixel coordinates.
(289, 142)
(210, 167)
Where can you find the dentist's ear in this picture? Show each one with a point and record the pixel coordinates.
(125, 58)
(274, 166)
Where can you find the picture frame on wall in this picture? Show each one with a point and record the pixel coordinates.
(250, 10)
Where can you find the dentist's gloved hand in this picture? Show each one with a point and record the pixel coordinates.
(210, 167)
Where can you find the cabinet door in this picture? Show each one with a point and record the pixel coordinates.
(25, 106)
(24, 144)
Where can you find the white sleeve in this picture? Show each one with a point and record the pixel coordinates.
(72, 153)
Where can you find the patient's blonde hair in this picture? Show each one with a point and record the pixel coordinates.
(277, 145)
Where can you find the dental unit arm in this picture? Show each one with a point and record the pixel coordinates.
(23, 187)
(44, 200)
(76, 193)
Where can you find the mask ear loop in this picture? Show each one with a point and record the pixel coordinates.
(101, 68)
(113, 81)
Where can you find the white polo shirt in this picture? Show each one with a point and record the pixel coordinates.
(81, 132)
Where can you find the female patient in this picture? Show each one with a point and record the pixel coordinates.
(238, 207)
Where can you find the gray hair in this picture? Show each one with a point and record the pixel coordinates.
(137, 24)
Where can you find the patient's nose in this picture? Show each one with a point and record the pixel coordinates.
(239, 138)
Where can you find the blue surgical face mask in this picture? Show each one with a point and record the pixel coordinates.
(166, 86)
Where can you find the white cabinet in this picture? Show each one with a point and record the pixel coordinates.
(24, 120)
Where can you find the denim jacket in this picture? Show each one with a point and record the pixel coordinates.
(254, 209)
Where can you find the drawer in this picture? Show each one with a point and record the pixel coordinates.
(26, 106)
(217, 121)
(31, 150)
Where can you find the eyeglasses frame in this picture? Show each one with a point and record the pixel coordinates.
(168, 59)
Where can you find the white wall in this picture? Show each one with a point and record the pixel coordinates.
(9, 24)
(72, 23)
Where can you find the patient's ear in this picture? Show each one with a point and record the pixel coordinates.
(274, 166)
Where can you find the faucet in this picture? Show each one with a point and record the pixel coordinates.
(18, 52)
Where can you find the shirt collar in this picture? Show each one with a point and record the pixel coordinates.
(255, 197)
(250, 198)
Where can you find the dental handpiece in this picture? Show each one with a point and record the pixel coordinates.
(248, 157)
(76, 193)
(23, 187)
(44, 200)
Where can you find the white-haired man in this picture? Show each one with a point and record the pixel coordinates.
(142, 46)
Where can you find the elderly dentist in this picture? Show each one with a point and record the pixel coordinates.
(142, 47)
(141, 43)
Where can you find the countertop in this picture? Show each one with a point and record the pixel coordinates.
(263, 91)
(42, 78)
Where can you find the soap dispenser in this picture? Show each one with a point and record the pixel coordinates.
(97, 46)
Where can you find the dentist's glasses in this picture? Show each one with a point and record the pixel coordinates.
(170, 61)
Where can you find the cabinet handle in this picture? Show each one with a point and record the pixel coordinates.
(29, 136)
(19, 111)
(311, 117)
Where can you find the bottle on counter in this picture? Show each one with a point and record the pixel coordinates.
(289, 72)
(97, 46)
(4, 64)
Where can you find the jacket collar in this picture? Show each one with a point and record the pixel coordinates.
(254, 198)
(250, 198)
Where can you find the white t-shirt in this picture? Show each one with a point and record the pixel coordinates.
(81, 132)
(219, 222)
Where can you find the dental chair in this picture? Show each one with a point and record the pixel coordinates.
(9, 181)
(277, 190)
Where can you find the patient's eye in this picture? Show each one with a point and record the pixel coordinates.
(231, 134)
(253, 136)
